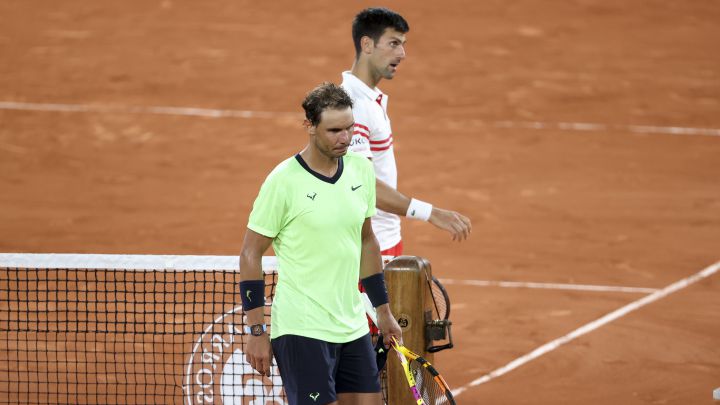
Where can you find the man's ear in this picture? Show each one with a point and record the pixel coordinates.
(367, 44)
(309, 127)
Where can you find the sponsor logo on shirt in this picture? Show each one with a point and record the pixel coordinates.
(358, 140)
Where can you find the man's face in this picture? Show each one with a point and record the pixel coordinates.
(388, 52)
(333, 133)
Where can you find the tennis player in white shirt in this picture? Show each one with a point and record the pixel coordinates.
(379, 38)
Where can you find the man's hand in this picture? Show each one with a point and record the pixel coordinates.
(259, 353)
(387, 324)
(457, 224)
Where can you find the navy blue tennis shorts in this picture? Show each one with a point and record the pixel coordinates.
(314, 371)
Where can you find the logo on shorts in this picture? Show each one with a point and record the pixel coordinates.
(314, 396)
(217, 370)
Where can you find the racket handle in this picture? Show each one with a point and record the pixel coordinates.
(369, 309)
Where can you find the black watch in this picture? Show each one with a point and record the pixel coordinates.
(256, 330)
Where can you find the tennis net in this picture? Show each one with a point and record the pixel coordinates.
(127, 329)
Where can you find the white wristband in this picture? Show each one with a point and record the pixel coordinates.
(419, 210)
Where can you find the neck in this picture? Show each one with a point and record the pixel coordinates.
(319, 162)
(361, 69)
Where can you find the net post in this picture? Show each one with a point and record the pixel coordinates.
(406, 278)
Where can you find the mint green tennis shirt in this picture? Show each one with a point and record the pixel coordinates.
(316, 225)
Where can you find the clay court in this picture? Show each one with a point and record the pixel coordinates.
(581, 137)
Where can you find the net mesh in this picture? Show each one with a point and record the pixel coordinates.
(128, 329)
(93, 331)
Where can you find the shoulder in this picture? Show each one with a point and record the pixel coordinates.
(363, 113)
(361, 103)
(349, 82)
(282, 171)
(354, 88)
(283, 167)
(361, 106)
(358, 161)
(351, 90)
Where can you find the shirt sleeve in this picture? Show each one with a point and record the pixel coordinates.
(269, 209)
(360, 142)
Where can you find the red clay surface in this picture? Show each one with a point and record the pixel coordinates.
(610, 207)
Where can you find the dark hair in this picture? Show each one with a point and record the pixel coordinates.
(325, 96)
(372, 23)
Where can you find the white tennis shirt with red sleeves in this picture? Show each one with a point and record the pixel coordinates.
(373, 139)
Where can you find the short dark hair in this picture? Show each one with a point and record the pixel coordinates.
(325, 96)
(372, 23)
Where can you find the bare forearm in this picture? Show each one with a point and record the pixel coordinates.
(258, 352)
(393, 201)
(250, 266)
(390, 200)
(370, 258)
(253, 248)
(251, 269)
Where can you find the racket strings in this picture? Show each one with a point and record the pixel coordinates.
(429, 384)
(441, 300)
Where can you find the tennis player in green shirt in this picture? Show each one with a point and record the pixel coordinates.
(315, 209)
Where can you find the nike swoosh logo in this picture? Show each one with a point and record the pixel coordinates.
(355, 188)
(247, 294)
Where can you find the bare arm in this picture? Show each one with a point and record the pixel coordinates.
(371, 263)
(390, 200)
(393, 201)
(370, 258)
(258, 351)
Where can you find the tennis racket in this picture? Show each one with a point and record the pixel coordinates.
(438, 329)
(426, 384)
(441, 299)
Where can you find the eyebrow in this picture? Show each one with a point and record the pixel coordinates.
(340, 129)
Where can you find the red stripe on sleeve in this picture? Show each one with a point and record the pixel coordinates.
(388, 139)
(378, 149)
(361, 126)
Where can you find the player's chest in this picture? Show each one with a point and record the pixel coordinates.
(322, 205)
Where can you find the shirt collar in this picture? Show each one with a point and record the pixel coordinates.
(354, 82)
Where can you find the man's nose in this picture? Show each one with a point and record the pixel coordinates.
(346, 136)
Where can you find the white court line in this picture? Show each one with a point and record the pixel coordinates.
(549, 286)
(225, 113)
(550, 346)
(157, 110)
(587, 126)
